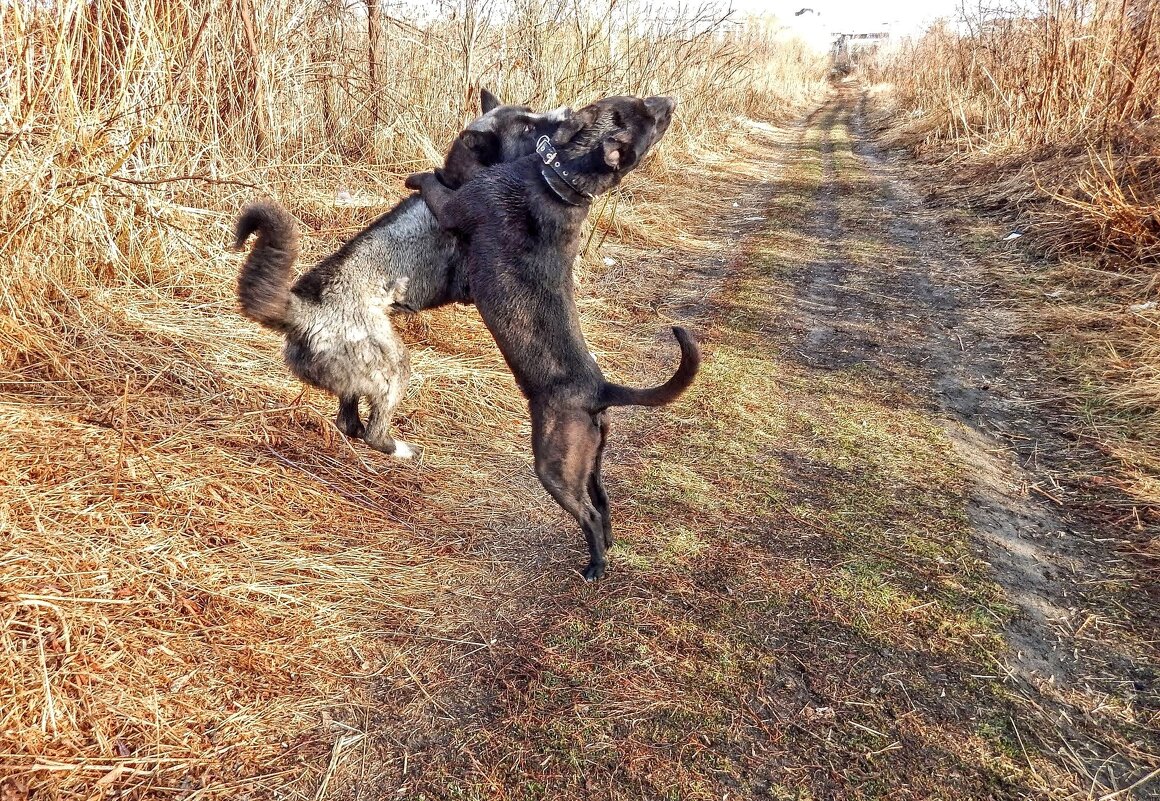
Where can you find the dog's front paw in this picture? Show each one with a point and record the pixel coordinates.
(415, 182)
(595, 571)
(395, 448)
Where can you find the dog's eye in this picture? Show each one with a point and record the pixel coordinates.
(528, 127)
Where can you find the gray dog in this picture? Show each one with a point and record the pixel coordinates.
(336, 317)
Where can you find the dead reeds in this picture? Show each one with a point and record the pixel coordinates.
(1051, 114)
(193, 564)
(1070, 90)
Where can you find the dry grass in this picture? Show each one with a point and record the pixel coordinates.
(194, 564)
(1052, 115)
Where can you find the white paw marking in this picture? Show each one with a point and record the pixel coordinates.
(403, 450)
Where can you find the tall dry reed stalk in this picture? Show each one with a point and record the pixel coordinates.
(1072, 85)
(195, 572)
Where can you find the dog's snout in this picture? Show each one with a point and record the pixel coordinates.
(660, 108)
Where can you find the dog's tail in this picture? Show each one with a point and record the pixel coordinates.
(616, 395)
(264, 282)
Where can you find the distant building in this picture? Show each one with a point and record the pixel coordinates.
(848, 46)
(808, 25)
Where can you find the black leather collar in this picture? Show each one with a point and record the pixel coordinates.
(557, 177)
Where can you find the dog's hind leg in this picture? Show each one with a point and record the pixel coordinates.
(378, 433)
(348, 421)
(597, 494)
(565, 446)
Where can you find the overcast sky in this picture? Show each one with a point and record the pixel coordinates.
(831, 16)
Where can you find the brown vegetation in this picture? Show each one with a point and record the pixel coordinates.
(193, 563)
(1053, 116)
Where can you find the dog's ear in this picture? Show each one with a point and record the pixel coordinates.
(660, 107)
(575, 122)
(487, 101)
(617, 148)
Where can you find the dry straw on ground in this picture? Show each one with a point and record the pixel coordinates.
(184, 584)
(1052, 113)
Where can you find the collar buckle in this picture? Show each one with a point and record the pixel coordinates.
(551, 159)
(545, 149)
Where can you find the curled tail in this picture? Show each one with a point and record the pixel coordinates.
(264, 282)
(616, 395)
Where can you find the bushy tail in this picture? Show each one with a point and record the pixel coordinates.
(264, 282)
(616, 395)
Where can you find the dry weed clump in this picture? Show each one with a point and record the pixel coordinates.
(1064, 98)
(1051, 113)
(197, 574)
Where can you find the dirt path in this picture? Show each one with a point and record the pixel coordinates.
(922, 311)
(843, 567)
(919, 306)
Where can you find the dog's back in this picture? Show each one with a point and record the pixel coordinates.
(336, 317)
(405, 242)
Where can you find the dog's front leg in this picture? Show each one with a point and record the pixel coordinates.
(438, 198)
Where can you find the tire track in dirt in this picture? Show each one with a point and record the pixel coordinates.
(915, 319)
(927, 316)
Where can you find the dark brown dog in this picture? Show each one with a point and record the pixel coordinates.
(523, 222)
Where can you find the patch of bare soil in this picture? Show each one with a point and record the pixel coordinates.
(1084, 612)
